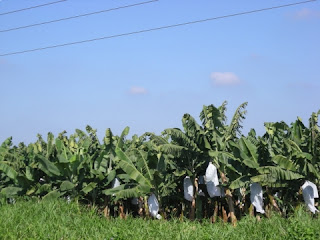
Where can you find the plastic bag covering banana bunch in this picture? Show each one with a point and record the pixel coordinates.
(188, 189)
(310, 192)
(212, 181)
(256, 197)
(115, 183)
(153, 205)
(213, 190)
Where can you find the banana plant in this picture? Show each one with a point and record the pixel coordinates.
(222, 139)
(188, 147)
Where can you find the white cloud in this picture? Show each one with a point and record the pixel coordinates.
(225, 79)
(137, 90)
(306, 13)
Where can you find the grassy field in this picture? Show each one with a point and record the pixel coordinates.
(59, 220)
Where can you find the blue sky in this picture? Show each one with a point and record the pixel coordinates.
(148, 81)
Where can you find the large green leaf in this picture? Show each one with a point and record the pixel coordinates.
(128, 167)
(142, 162)
(9, 171)
(284, 162)
(66, 186)
(275, 173)
(53, 195)
(112, 191)
(121, 192)
(11, 191)
(251, 163)
(235, 124)
(181, 138)
(88, 188)
(172, 149)
(29, 173)
(124, 133)
(110, 177)
(50, 142)
(239, 182)
(47, 166)
(247, 149)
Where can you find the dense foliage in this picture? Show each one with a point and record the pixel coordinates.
(80, 167)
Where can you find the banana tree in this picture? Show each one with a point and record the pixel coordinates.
(145, 180)
(222, 138)
(189, 150)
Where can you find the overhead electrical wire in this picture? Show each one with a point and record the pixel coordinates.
(33, 7)
(155, 29)
(77, 16)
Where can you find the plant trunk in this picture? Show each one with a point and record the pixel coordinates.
(215, 212)
(229, 200)
(242, 203)
(231, 207)
(140, 206)
(193, 203)
(273, 203)
(106, 210)
(121, 211)
(251, 210)
(193, 208)
(224, 215)
(146, 207)
(182, 211)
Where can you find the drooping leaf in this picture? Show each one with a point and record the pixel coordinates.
(89, 187)
(121, 192)
(129, 168)
(53, 195)
(66, 186)
(47, 166)
(11, 191)
(284, 162)
(9, 171)
(250, 163)
(275, 173)
(239, 182)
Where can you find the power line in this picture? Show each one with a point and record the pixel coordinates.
(77, 16)
(29, 8)
(155, 29)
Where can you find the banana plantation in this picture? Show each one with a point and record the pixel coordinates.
(205, 169)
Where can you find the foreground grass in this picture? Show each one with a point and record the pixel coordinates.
(59, 220)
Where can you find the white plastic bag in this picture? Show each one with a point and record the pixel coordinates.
(115, 183)
(256, 197)
(212, 181)
(211, 174)
(188, 189)
(213, 190)
(153, 205)
(310, 192)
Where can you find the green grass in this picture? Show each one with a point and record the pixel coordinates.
(59, 220)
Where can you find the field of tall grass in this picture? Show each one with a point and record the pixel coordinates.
(60, 220)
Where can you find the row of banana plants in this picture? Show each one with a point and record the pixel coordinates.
(162, 175)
